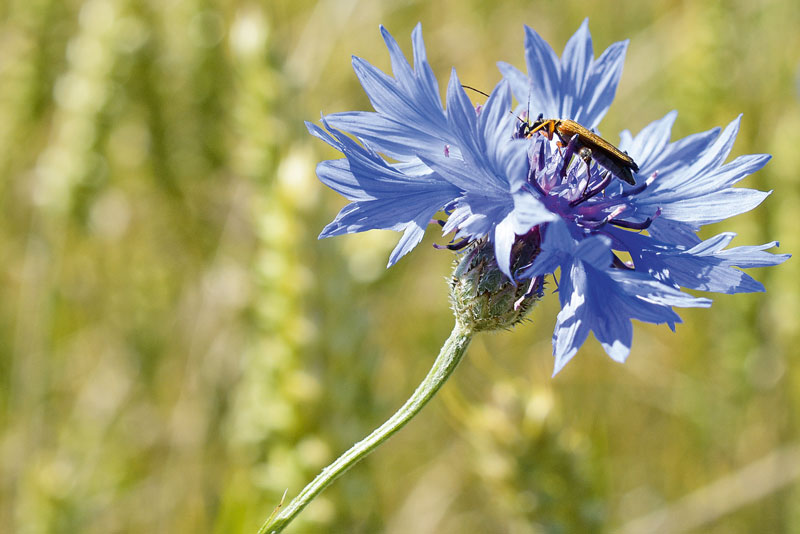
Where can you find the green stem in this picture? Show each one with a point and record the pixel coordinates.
(449, 357)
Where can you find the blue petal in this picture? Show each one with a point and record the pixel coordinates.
(487, 152)
(493, 167)
(675, 232)
(604, 302)
(728, 174)
(383, 214)
(556, 250)
(596, 298)
(382, 90)
(476, 215)
(529, 211)
(400, 68)
(520, 84)
(594, 251)
(423, 70)
(571, 328)
(716, 180)
(705, 267)
(575, 63)
(514, 162)
(370, 176)
(673, 156)
(384, 197)
(753, 256)
(462, 120)
(408, 105)
(715, 207)
(576, 87)
(678, 183)
(503, 241)
(336, 174)
(544, 78)
(396, 139)
(494, 126)
(414, 231)
(601, 83)
(651, 141)
(419, 85)
(465, 176)
(693, 185)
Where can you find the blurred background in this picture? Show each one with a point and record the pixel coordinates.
(177, 348)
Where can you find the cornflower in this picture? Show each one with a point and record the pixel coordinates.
(521, 206)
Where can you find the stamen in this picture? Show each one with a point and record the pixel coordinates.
(636, 225)
(535, 165)
(607, 178)
(453, 246)
(639, 188)
(589, 223)
(534, 287)
(568, 153)
(632, 225)
(542, 156)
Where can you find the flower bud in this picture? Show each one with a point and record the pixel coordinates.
(483, 298)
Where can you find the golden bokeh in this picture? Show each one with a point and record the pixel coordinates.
(177, 348)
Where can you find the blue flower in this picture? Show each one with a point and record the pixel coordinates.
(623, 251)
(577, 87)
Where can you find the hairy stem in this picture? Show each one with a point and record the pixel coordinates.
(449, 357)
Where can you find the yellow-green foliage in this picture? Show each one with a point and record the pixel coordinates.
(177, 348)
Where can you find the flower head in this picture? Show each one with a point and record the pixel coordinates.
(544, 203)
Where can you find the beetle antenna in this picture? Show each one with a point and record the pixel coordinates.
(527, 114)
(473, 89)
